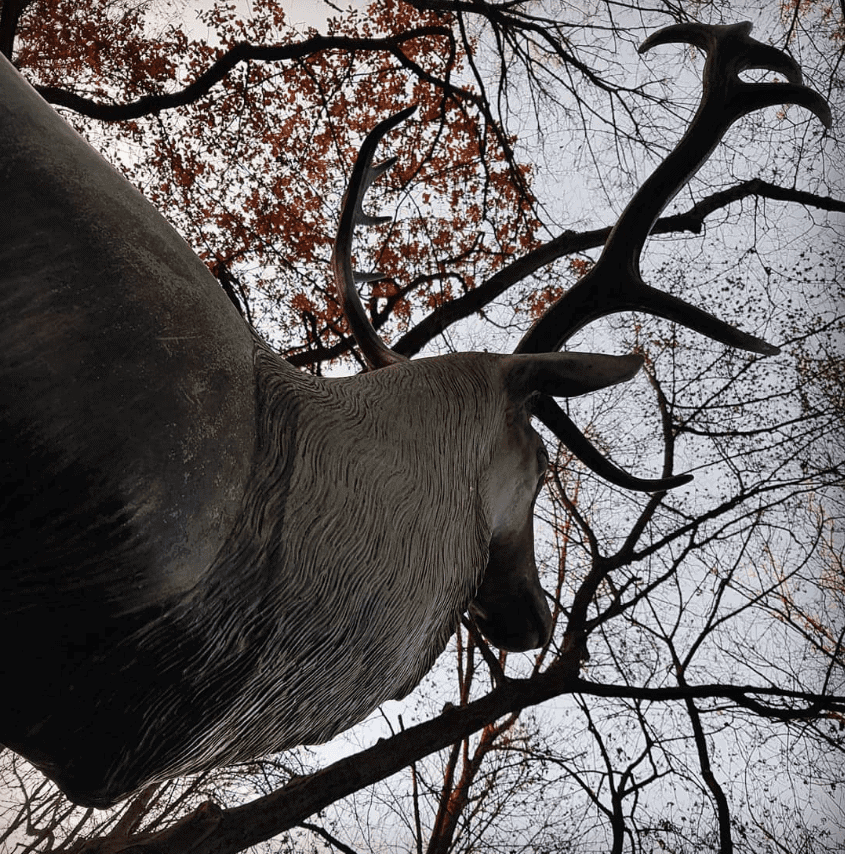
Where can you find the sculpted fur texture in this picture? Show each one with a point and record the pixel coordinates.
(278, 646)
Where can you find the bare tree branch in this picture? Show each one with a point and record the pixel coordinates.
(215, 831)
(242, 52)
(569, 243)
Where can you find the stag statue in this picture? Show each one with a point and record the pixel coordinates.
(209, 556)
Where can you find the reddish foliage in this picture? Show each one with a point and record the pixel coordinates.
(252, 173)
(540, 299)
(581, 266)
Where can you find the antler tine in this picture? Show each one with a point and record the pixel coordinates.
(731, 50)
(549, 412)
(615, 284)
(375, 351)
(371, 174)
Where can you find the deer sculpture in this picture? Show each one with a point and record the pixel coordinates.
(209, 556)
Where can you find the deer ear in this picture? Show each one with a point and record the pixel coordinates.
(566, 374)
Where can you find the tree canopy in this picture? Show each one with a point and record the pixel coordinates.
(693, 695)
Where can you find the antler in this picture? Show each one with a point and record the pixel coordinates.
(378, 355)
(375, 351)
(615, 284)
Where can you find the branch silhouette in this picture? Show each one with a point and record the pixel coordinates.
(239, 53)
(566, 243)
(211, 830)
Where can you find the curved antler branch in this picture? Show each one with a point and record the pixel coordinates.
(375, 351)
(549, 412)
(615, 283)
